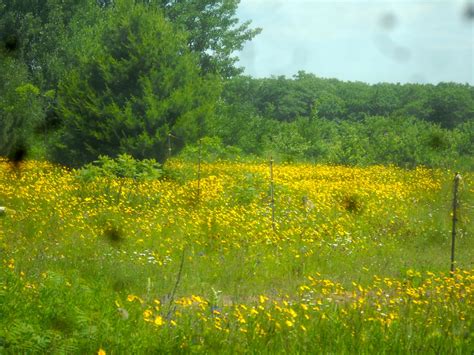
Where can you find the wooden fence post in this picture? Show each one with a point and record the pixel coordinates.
(272, 194)
(169, 145)
(199, 171)
(457, 178)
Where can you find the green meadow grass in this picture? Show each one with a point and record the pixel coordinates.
(125, 267)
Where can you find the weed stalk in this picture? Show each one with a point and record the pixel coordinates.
(175, 288)
(199, 171)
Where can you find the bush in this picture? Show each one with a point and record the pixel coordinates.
(212, 150)
(124, 166)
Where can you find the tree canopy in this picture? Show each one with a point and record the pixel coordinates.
(285, 99)
(135, 81)
(214, 31)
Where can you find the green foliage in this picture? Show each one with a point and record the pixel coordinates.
(466, 138)
(304, 95)
(135, 81)
(286, 144)
(45, 29)
(20, 106)
(330, 106)
(250, 188)
(210, 149)
(41, 30)
(363, 140)
(451, 104)
(124, 166)
(214, 31)
(240, 126)
(381, 140)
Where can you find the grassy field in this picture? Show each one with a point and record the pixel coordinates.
(357, 261)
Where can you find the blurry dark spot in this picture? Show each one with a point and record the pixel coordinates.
(50, 123)
(114, 235)
(4, 344)
(11, 43)
(120, 285)
(469, 11)
(61, 324)
(392, 49)
(17, 155)
(352, 204)
(401, 53)
(437, 142)
(123, 313)
(300, 57)
(104, 3)
(388, 21)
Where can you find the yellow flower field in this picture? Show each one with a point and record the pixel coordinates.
(356, 259)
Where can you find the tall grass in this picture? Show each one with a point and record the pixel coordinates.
(362, 267)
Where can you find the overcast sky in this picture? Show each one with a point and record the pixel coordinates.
(371, 41)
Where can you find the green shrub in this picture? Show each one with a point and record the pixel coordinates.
(124, 166)
(211, 149)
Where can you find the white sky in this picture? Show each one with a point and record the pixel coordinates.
(371, 41)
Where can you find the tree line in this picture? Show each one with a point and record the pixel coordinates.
(285, 99)
(83, 78)
(327, 120)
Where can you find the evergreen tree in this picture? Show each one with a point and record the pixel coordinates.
(134, 82)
